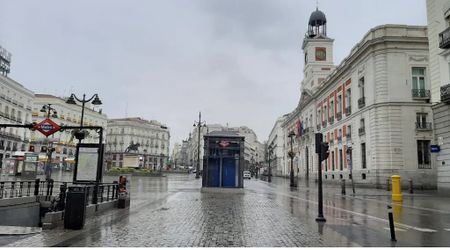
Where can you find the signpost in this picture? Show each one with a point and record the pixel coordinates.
(47, 127)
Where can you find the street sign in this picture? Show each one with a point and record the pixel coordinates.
(435, 148)
(47, 127)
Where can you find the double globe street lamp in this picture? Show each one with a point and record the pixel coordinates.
(199, 124)
(80, 135)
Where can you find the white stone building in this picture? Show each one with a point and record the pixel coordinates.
(153, 138)
(373, 108)
(438, 15)
(277, 143)
(69, 115)
(15, 108)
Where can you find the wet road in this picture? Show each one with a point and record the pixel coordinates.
(172, 212)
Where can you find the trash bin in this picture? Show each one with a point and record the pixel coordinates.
(75, 210)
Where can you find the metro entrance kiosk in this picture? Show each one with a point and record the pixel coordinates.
(223, 161)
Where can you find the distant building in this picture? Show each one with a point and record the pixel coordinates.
(277, 143)
(15, 108)
(253, 152)
(152, 136)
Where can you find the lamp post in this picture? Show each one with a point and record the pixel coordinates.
(95, 100)
(47, 108)
(199, 125)
(269, 179)
(161, 164)
(291, 155)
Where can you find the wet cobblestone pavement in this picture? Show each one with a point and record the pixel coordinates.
(172, 212)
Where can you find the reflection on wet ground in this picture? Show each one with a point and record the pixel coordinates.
(171, 211)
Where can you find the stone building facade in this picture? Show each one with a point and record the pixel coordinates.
(373, 108)
(438, 15)
(153, 138)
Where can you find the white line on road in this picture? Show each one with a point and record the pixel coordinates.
(428, 230)
(396, 229)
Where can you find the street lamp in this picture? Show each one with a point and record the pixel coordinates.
(161, 164)
(199, 125)
(95, 100)
(48, 108)
(270, 168)
(291, 155)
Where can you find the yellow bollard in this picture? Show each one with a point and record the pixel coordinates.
(396, 188)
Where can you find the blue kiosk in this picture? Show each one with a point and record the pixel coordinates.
(223, 161)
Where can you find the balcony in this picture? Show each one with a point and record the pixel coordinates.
(324, 123)
(444, 39)
(423, 126)
(339, 116)
(421, 94)
(339, 139)
(445, 93)
(348, 110)
(331, 120)
(362, 131)
(348, 136)
(318, 127)
(361, 102)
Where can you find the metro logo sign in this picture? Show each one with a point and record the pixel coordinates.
(47, 127)
(224, 143)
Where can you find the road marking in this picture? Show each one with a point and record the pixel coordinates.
(447, 229)
(363, 215)
(396, 229)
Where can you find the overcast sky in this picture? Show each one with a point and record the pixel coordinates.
(237, 61)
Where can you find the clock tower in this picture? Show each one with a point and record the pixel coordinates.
(317, 52)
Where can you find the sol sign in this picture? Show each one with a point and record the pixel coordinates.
(224, 143)
(47, 127)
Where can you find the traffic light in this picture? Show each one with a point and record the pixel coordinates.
(318, 142)
(324, 151)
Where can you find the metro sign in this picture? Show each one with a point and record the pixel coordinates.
(47, 127)
(224, 143)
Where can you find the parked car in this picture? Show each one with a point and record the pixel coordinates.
(247, 175)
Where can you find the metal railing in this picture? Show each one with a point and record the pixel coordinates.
(348, 110)
(318, 127)
(362, 130)
(445, 93)
(331, 120)
(361, 102)
(444, 39)
(423, 125)
(339, 116)
(421, 93)
(47, 189)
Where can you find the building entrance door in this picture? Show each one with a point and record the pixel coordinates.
(229, 172)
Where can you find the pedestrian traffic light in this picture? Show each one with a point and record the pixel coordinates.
(324, 151)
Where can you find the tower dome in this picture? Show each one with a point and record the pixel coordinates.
(317, 18)
(317, 24)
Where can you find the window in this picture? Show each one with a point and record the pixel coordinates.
(341, 166)
(348, 100)
(418, 78)
(332, 160)
(332, 108)
(423, 153)
(361, 87)
(339, 104)
(421, 120)
(363, 156)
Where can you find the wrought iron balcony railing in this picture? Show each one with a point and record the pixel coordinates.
(362, 131)
(339, 116)
(421, 94)
(361, 102)
(423, 126)
(445, 93)
(444, 39)
(324, 123)
(331, 119)
(348, 110)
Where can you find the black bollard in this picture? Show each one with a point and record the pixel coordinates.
(388, 187)
(411, 187)
(391, 223)
(343, 186)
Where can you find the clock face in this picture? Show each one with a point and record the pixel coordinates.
(321, 54)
